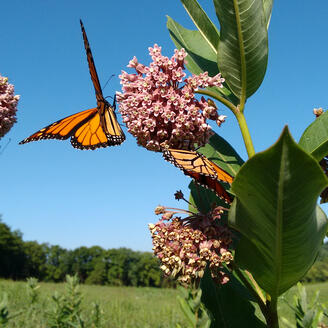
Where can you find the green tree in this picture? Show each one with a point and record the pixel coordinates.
(36, 258)
(119, 261)
(12, 255)
(146, 271)
(98, 275)
(58, 263)
(84, 260)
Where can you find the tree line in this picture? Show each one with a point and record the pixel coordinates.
(94, 265)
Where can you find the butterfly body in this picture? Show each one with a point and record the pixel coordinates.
(201, 170)
(90, 129)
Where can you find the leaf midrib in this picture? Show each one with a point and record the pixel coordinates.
(200, 30)
(242, 55)
(279, 218)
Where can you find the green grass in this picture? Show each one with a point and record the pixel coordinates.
(123, 307)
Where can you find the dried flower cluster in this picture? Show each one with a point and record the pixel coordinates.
(318, 111)
(8, 106)
(158, 104)
(185, 246)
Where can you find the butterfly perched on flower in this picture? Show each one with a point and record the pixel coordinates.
(201, 169)
(91, 128)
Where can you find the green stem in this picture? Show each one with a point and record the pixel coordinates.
(224, 101)
(272, 314)
(238, 111)
(245, 133)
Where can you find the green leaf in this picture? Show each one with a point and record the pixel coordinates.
(267, 6)
(230, 304)
(276, 212)
(219, 151)
(243, 46)
(204, 25)
(315, 138)
(187, 311)
(201, 56)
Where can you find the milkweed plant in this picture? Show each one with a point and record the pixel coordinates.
(8, 106)
(252, 250)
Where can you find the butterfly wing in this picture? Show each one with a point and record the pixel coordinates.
(84, 128)
(108, 119)
(210, 183)
(63, 128)
(109, 123)
(92, 67)
(201, 169)
(196, 162)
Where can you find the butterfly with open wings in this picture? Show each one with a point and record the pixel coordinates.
(91, 128)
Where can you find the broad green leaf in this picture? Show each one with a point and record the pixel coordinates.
(230, 304)
(243, 46)
(315, 138)
(276, 213)
(204, 25)
(267, 6)
(201, 57)
(219, 151)
(202, 198)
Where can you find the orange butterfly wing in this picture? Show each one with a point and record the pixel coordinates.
(92, 67)
(83, 128)
(107, 114)
(201, 169)
(89, 129)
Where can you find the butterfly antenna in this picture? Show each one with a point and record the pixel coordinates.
(3, 149)
(107, 82)
(114, 100)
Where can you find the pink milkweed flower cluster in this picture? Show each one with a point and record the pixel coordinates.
(8, 106)
(158, 103)
(186, 246)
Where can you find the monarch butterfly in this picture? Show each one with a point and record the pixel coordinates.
(201, 169)
(91, 128)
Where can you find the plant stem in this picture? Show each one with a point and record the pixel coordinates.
(245, 133)
(239, 113)
(222, 100)
(272, 314)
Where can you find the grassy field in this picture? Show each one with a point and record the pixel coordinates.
(120, 307)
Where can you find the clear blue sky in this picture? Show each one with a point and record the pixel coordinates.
(57, 194)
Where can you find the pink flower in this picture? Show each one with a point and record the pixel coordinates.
(162, 91)
(8, 106)
(186, 246)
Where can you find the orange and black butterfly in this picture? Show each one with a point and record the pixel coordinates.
(201, 169)
(91, 128)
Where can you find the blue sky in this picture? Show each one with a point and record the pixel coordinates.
(57, 194)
